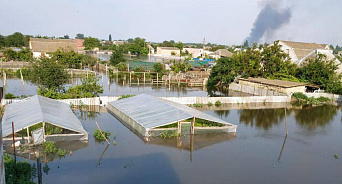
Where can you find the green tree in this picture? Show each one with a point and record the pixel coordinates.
(321, 71)
(158, 67)
(110, 37)
(69, 58)
(10, 54)
(66, 37)
(48, 73)
(79, 36)
(117, 57)
(90, 43)
(224, 72)
(2, 41)
(15, 40)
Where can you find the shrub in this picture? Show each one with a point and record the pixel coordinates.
(10, 96)
(210, 104)
(20, 172)
(218, 103)
(299, 95)
(49, 147)
(98, 136)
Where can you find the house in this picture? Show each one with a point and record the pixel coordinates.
(168, 51)
(43, 47)
(220, 53)
(195, 52)
(151, 49)
(79, 43)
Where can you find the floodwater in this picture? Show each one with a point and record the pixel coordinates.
(259, 153)
(111, 88)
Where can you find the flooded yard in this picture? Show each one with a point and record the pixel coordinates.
(259, 153)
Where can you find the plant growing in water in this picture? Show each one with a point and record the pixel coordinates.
(125, 96)
(49, 147)
(61, 152)
(198, 105)
(98, 136)
(218, 103)
(210, 104)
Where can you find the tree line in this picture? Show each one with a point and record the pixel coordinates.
(269, 61)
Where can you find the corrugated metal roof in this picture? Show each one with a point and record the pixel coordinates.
(152, 112)
(37, 109)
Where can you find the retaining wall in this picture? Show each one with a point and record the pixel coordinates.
(337, 98)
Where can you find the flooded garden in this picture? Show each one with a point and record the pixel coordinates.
(259, 152)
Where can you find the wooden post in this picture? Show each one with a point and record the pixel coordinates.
(193, 126)
(43, 131)
(138, 81)
(286, 121)
(144, 78)
(157, 78)
(130, 77)
(102, 133)
(15, 157)
(28, 135)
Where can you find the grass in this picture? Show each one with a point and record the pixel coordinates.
(98, 136)
(125, 96)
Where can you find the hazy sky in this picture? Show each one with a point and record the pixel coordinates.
(219, 21)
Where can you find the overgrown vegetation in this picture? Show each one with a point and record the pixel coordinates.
(99, 137)
(218, 103)
(303, 99)
(20, 172)
(12, 96)
(167, 133)
(198, 105)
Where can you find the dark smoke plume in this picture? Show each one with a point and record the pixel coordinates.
(269, 20)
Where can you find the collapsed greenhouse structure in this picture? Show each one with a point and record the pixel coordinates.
(38, 119)
(153, 116)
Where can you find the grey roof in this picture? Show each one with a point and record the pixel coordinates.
(152, 112)
(37, 109)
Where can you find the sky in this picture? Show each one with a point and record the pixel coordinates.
(226, 22)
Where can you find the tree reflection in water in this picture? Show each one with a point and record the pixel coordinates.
(263, 118)
(313, 117)
(222, 113)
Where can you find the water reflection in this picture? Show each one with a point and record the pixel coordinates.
(263, 118)
(312, 117)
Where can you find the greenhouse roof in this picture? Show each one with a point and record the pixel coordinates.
(38, 109)
(152, 112)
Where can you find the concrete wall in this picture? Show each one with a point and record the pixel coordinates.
(167, 52)
(336, 98)
(254, 90)
(227, 100)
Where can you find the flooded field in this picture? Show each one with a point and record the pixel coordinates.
(16, 87)
(259, 153)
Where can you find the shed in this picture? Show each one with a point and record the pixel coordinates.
(54, 118)
(152, 116)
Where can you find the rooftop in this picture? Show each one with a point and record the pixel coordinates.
(280, 83)
(52, 45)
(168, 48)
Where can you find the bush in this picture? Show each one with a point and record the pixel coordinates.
(98, 136)
(49, 147)
(10, 96)
(218, 103)
(299, 95)
(20, 172)
(210, 104)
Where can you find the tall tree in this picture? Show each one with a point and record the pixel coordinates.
(110, 37)
(90, 43)
(15, 40)
(79, 36)
(117, 57)
(66, 36)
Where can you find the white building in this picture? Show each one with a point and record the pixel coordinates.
(299, 52)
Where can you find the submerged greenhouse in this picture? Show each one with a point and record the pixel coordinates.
(153, 116)
(38, 119)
